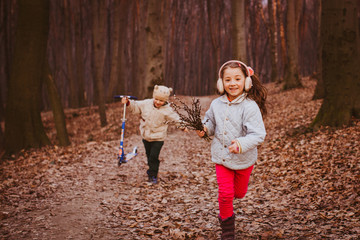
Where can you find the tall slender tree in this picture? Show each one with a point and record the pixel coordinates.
(292, 77)
(23, 125)
(239, 30)
(117, 19)
(79, 52)
(69, 46)
(273, 40)
(155, 48)
(320, 89)
(99, 54)
(340, 60)
(57, 108)
(2, 109)
(281, 30)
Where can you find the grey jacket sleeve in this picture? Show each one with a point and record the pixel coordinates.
(209, 121)
(254, 127)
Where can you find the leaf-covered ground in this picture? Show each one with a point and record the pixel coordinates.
(305, 184)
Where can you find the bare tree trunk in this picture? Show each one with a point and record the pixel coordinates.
(340, 59)
(139, 49)
(292, 78)
(79, 54)
(273, 40)
(58, 111)
(69, 40)
(150, 59)
(254, 33)
(320, 88)
(283, 52)
(23, 125)
(2, 150)
(116, 18)
(8, 16)
(213, 26)
(154, 71)
(125, 74)
(119, 20)
(239, 30)
(99, 52)
(2, 110)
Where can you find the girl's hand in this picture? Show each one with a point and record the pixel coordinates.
(201, 133)
(124, 100)
(234, 148)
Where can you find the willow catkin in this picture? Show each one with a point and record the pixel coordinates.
(190, 115)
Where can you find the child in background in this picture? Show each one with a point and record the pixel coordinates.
(155, 114)
(235, 120)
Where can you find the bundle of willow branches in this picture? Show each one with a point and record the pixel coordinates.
(192, 119)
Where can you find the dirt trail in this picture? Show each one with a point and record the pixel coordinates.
(93, 198)
(305, 184)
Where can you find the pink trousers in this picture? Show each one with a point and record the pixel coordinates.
(232, 184)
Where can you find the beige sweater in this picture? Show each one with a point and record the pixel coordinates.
(154, 121)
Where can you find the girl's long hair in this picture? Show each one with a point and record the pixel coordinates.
(257, 92)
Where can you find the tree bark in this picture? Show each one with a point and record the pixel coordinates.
(79, 54)
(58, 111)
(2, 109)
(292, 78)
(8, 16)
(151, 49)
(99, 53)
(239, 30)
(1, 142)
(320, 88)
(154, 71)
(254, 33)
(23, 125)
(280, 15)
(118, 26)
(69, 46)
(340, 60)
(273, 40)
(213, 30)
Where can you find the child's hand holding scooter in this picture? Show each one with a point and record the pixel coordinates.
(124, 100)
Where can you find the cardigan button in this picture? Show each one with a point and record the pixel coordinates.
(223, 160)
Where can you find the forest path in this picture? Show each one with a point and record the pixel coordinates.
(305, 184)
(90, 197)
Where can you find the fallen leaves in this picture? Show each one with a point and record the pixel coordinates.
(305, 184)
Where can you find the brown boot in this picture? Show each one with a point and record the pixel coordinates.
(228, 228)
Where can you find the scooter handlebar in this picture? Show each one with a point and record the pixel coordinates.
(128, 96)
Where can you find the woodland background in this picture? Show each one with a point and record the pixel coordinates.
(96, 49)
(192, 37)
(63, 61)
(71, 54)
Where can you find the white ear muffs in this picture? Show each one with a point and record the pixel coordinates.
(248, 80)
(248, 83)
(220, 86)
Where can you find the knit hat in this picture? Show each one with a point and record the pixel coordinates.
(162, 92)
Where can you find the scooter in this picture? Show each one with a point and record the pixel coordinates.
(122, 157)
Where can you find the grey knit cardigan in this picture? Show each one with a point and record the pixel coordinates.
(239, 119)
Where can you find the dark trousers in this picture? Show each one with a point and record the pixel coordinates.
(152, 153)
